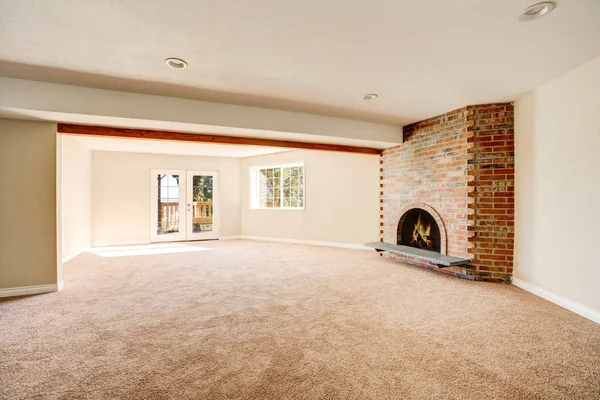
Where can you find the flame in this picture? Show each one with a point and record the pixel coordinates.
(420, 235)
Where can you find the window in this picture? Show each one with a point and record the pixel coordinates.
(280, 186)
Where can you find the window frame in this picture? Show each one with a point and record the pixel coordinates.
(255, 186)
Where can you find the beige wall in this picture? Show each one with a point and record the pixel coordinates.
(557, 195)
(28, 228)
(121, 193)
(76, 196)
(342, 199)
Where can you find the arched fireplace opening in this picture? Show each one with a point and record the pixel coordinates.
(417, 228)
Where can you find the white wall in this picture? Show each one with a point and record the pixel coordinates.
(121, 193)
(557, 196)
(341, 199)
(76, 196)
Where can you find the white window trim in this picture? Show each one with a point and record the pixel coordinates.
(254, 186)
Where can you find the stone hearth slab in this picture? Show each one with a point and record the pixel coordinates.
(427, 255)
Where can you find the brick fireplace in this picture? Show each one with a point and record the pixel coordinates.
(457, 168)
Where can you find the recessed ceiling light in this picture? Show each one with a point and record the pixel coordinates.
(536, 11)
(176, 63)
(370, 96)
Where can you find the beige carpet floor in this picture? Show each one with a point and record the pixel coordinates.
(254, 320)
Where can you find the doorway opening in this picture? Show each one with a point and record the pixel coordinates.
(183, 205)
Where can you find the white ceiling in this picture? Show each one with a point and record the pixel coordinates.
(180, 148)
(423, 57)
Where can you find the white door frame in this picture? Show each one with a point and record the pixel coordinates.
(214, 234)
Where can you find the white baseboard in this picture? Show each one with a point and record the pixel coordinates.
(111, 244)
(261, 238)
(141, 243)
(72, 256)
(309, 242)
(235, 237)
(25, 290)
(570, 305)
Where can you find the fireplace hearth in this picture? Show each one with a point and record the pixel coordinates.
(420, 238)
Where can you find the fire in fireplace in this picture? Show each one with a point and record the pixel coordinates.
(417, 228)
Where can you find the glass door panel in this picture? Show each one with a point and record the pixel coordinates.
(167, 205)
(202, 206)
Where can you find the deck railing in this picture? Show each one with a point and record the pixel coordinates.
(203, 212)
(168, 217)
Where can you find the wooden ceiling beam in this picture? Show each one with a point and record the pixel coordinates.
(147, 134)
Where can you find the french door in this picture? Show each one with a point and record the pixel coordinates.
(183, 205)
(202, 210)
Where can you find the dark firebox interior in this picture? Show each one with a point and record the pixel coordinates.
(417, 228)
